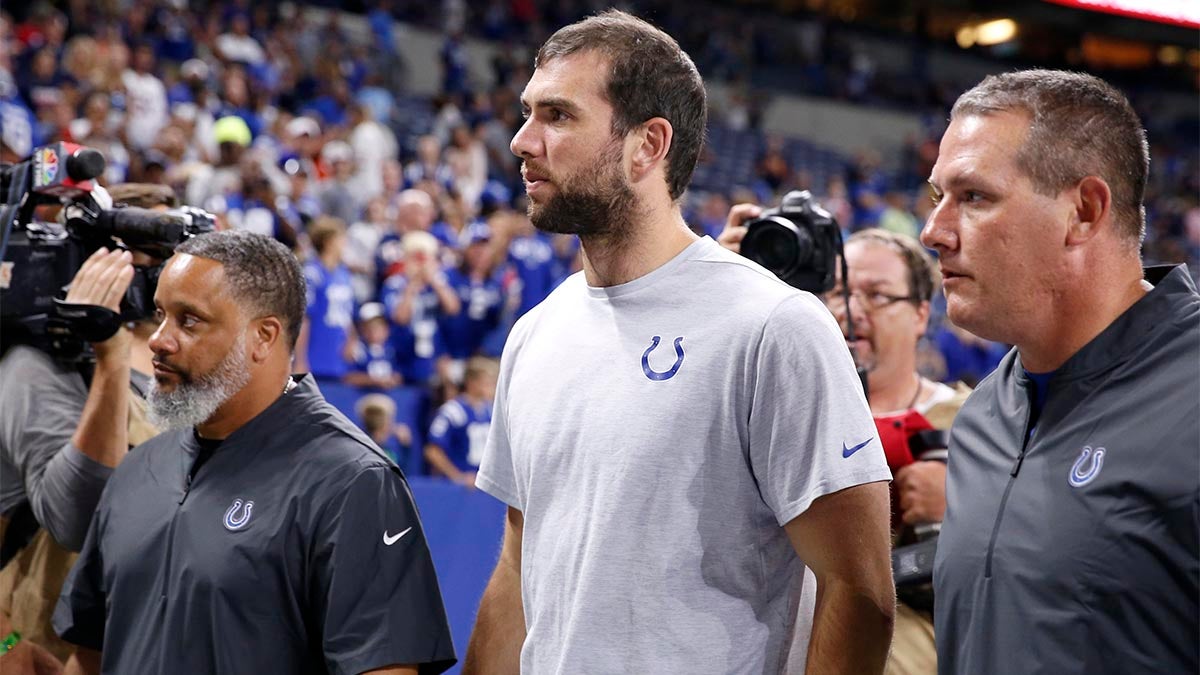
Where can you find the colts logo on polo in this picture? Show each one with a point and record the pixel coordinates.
(1087, 467)
(654, 375)
(238, 515)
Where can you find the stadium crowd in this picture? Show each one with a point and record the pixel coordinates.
(408, 211)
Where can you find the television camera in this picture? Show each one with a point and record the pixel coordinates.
(52, 218)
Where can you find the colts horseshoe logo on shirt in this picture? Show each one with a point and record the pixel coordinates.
(238, 515)
(655, 376)
(1083, 471)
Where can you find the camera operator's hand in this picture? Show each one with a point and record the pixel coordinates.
(921, 487)
(102, 281)
(735, 229)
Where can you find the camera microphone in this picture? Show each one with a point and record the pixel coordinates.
(65, 170)
(85, 164)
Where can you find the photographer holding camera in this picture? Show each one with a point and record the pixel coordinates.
(63, 428)
(891, 281)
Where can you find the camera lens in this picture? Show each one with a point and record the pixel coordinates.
(778, 245)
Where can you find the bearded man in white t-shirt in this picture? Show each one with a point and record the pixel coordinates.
(681, 438)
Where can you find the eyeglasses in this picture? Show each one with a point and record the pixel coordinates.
(870, 301)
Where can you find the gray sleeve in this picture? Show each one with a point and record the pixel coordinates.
(66, 496)
(40, 406)
(811, 432)
(497, 473)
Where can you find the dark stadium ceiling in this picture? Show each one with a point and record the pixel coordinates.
(1041, 31)
(942, 18)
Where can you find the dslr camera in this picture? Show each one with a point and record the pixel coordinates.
(799, 242)
(41, 257)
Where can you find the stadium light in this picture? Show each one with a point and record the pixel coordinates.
(965, 37)
(995, 32)
(986, 34)
(1170, 55)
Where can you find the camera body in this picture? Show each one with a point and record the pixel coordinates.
(799, 242)
(41, 258)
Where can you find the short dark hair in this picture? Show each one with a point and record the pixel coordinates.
(263, 276)
(922, 276)
(649, 76)
(1079, 126)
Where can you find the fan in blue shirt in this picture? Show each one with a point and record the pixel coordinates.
(482, 299)
(328, 330)
(374, 360)
(415, 300)
(377, 417)
(459, 430)
(532, 256)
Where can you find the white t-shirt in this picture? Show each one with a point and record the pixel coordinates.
(240, 48)
(146, 108)
(656, 436)
(373, 145)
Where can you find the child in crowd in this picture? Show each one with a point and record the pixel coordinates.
(459, 430)
(328, 334)
(374, 362)
(377, 415)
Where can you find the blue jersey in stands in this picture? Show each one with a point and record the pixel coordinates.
(400, 453)
(482, 302)
(254, 216)
(417, 172)
(565, 247)
(969, 362)
(445, 234)
(330, 311)
(461, 430)
(533, 259)
(18, 125)
(418, 343)
(378, 361)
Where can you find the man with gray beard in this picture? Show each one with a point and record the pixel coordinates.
(195, 400)
(262, 525)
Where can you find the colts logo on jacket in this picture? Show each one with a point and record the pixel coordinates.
(1087, 467)
(238, 515)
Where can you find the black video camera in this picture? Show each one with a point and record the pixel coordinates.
(799, 242)
(39, 259)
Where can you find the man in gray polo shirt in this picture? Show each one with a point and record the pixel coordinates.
(1070, 539)
(263, 533)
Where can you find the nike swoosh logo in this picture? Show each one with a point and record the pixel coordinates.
(388, 541)
(846, 452)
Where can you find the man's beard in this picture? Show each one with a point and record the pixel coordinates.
(195, 399)
(595, 202)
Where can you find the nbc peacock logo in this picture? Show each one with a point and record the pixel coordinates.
(46, 167)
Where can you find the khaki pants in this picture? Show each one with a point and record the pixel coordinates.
(913, 651)
(29, 588)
